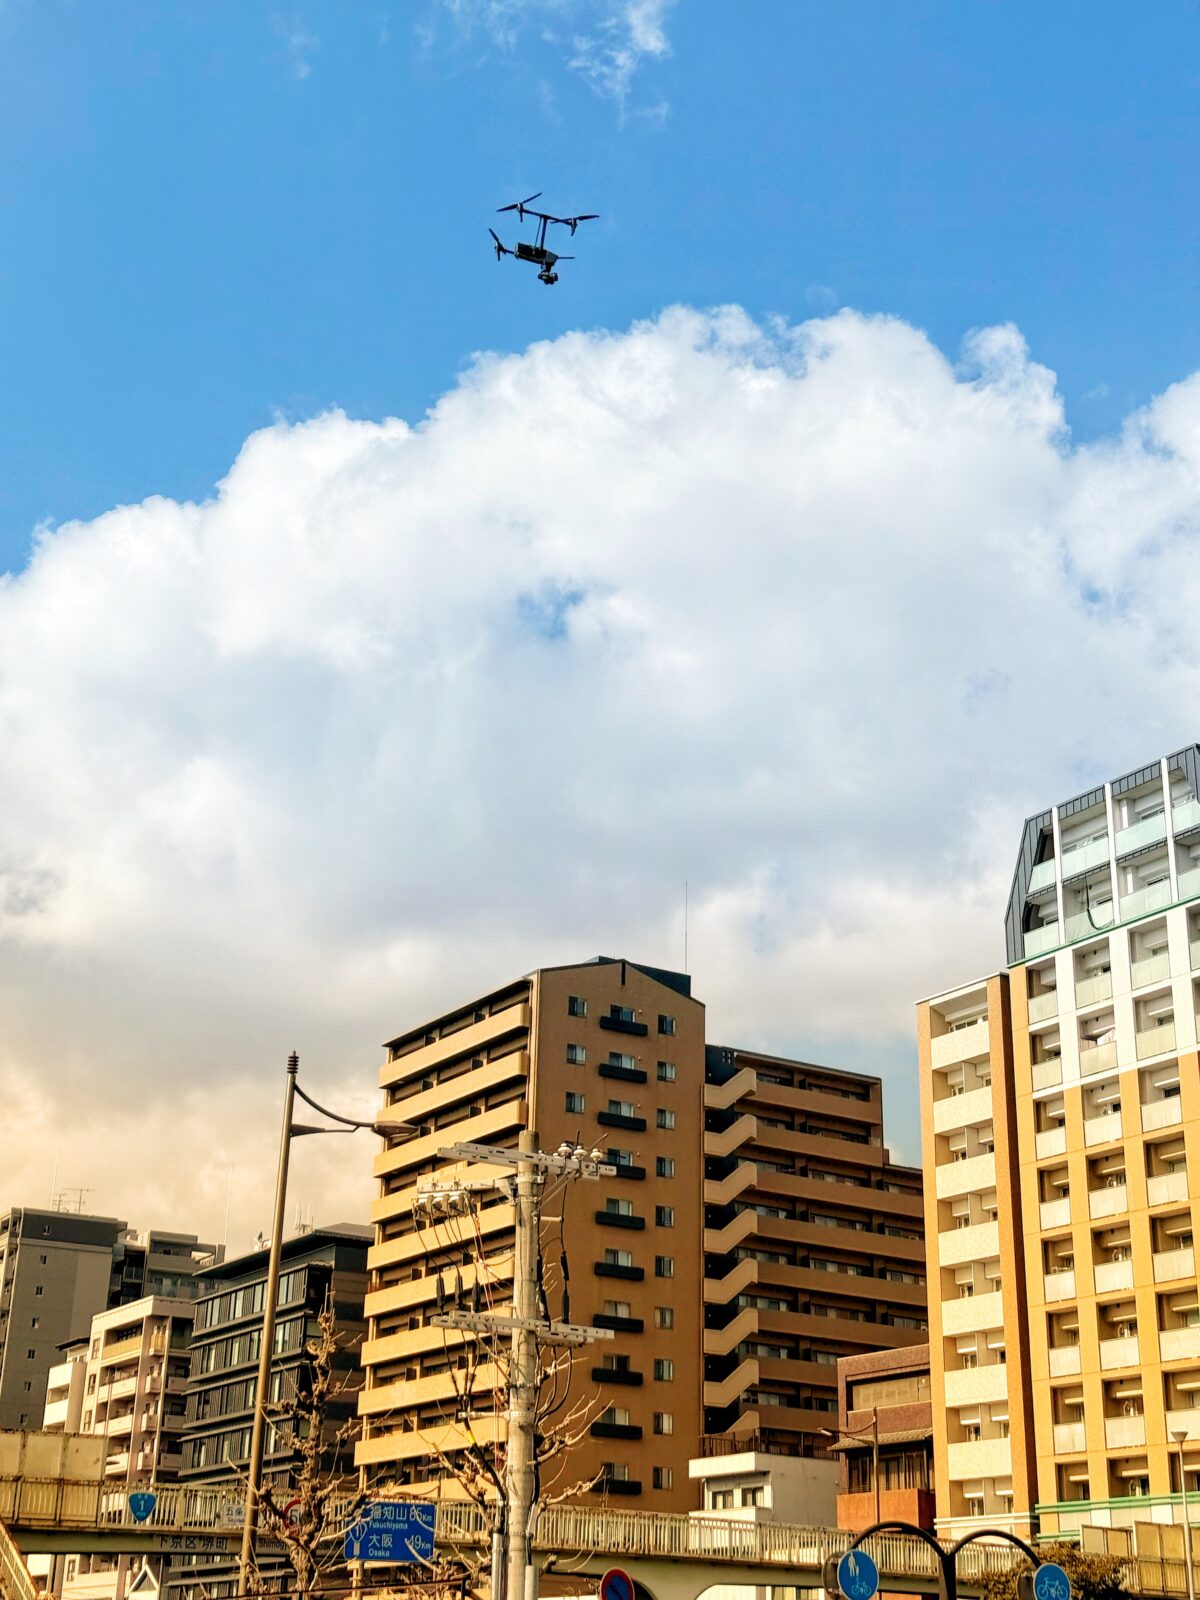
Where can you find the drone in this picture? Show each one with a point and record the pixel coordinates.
(545, 260)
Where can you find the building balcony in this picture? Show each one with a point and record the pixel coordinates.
(1082, 858)
(978, 1243)
(962, 1110)
(617, 1219)
(1088, 925)
(960, 1044)
(627, 1170)
(613, 1069)
(1069, 1438)
(1112, 1275)
(1143, 901)
(619, 1486)
(1108, 1202)
(1166, 1188)
(1139, 834)
(605, 1319)
(1047, 1074)
(1042, 877)
(1116, 1353)
(1064, 1360)
(631, 1380)
(619, 1025)
(1185, 815)
(1058, 1286)
(1186, 1421)
(1054, 1213)
(1103, 1130)
(1189, 883)
(1043, 1006)
(1171, 1264)
(965, 1177)
(1044, 938)
(619, 1119)
(1157, 1041)
(615, 1430)
(1153, 969)
(973, 1314)
(980, 1458)
(857, 1512)
(1094, 1058)
(615, 1269)
(1164, 1113)
(1091, 991)
(1050, 1142)
(976, 1385)
(1179, 1344)
(1124, 1433)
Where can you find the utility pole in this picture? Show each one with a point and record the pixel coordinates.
(527, 1189)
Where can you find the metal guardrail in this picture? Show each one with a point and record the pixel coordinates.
(16, 1581)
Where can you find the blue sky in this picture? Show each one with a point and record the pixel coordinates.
(215, 213)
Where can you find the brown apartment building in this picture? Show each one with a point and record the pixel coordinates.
(754, 1231)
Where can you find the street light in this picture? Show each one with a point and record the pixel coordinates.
(291, 1130)
(860, 1433)
(1179, 1436)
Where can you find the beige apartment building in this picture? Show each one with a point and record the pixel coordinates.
(126, 1383)
(1061, 1112)
(755, 1231)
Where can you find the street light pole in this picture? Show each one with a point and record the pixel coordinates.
(258, 1427)
(1179, 1437)
(875, 1456)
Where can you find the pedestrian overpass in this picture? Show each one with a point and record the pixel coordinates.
(670, 1557)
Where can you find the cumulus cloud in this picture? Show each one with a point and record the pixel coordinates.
(607, 41)
(810, 617)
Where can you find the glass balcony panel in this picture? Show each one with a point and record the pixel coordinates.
(1047, 937)
(1086, 925)
(1142, 901)
(1156, 1041)
(1095, 1058)
(1189, 883)
(1194, 949)
(1088, 991)
(1161, 1113)
(1083, 857)
(1139, 834)
(1042, 1006)
(1185, 814)
(1152, 970)
(1042, 877)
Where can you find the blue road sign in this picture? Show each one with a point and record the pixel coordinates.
(141, 1504)
(392, 1530)
(858, 1576)
(616, 1585)
(1050, 1582)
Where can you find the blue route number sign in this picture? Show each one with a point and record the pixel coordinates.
(1050, 1582)
(858, 1576)
(399, 1531)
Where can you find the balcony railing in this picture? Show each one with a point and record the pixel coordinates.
(1103, 1129)
(1139, 834)
(1069, 1437)
(1166, 1187)
(1059, 1286)
(1045, 937)
(1055, 1213)
(1050, 1142)
(1189, 883)
(1162, 1113)
(1185, 814)
(1047, 1073)
(1142, 901)
(1119, 1352)
(1042, 877)
(1151, 969)
(1043, 1006)
(1064, 1360)
(1179, 1344)
(960, 1044)
(1156, 1041)
(1169, 1264)
(1090, 991)
(1084, 857)
(1095, 1058)
(1110, 1201)
(1120, 1433)
(1113, 1275)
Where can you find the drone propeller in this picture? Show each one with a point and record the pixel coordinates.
(501, 249)
(573, 222)
(519, 205)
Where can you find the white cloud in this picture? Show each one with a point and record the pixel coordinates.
(811, 617)
(299, 45)
(610, 41)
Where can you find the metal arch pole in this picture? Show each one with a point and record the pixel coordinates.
(262, 1389)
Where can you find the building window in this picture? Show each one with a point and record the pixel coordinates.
(666, 1072)
(31, 1355)
(618, 1258)
(664, 1370)
(28, 1388)
(664, 1478)
(664, 1266)
(614, 1472)
(664, 1118)
(622, 1014)
(664, 1166)
(664, 1216)
(754, 1497)
(35, 1322)
(664, 1422)
(37, 1290)
(618, 1208)
(665, 1024)
(43, 1259)
(616, 1308)
(576, 1055)
(622, 1108)
(664, 1316)
(616, 1414)
(722, 1499)
(576, 1101)
(576, 1005)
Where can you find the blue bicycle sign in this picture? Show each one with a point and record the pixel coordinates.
(1050, 1582)
(858, 1576)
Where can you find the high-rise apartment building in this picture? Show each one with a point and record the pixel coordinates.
(151, 1262)
(754, 1231)
(319, 1268)
(128, 1384)
(1061, 1112)
(55, 1273)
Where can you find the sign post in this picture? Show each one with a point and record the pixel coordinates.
(397, 1531)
